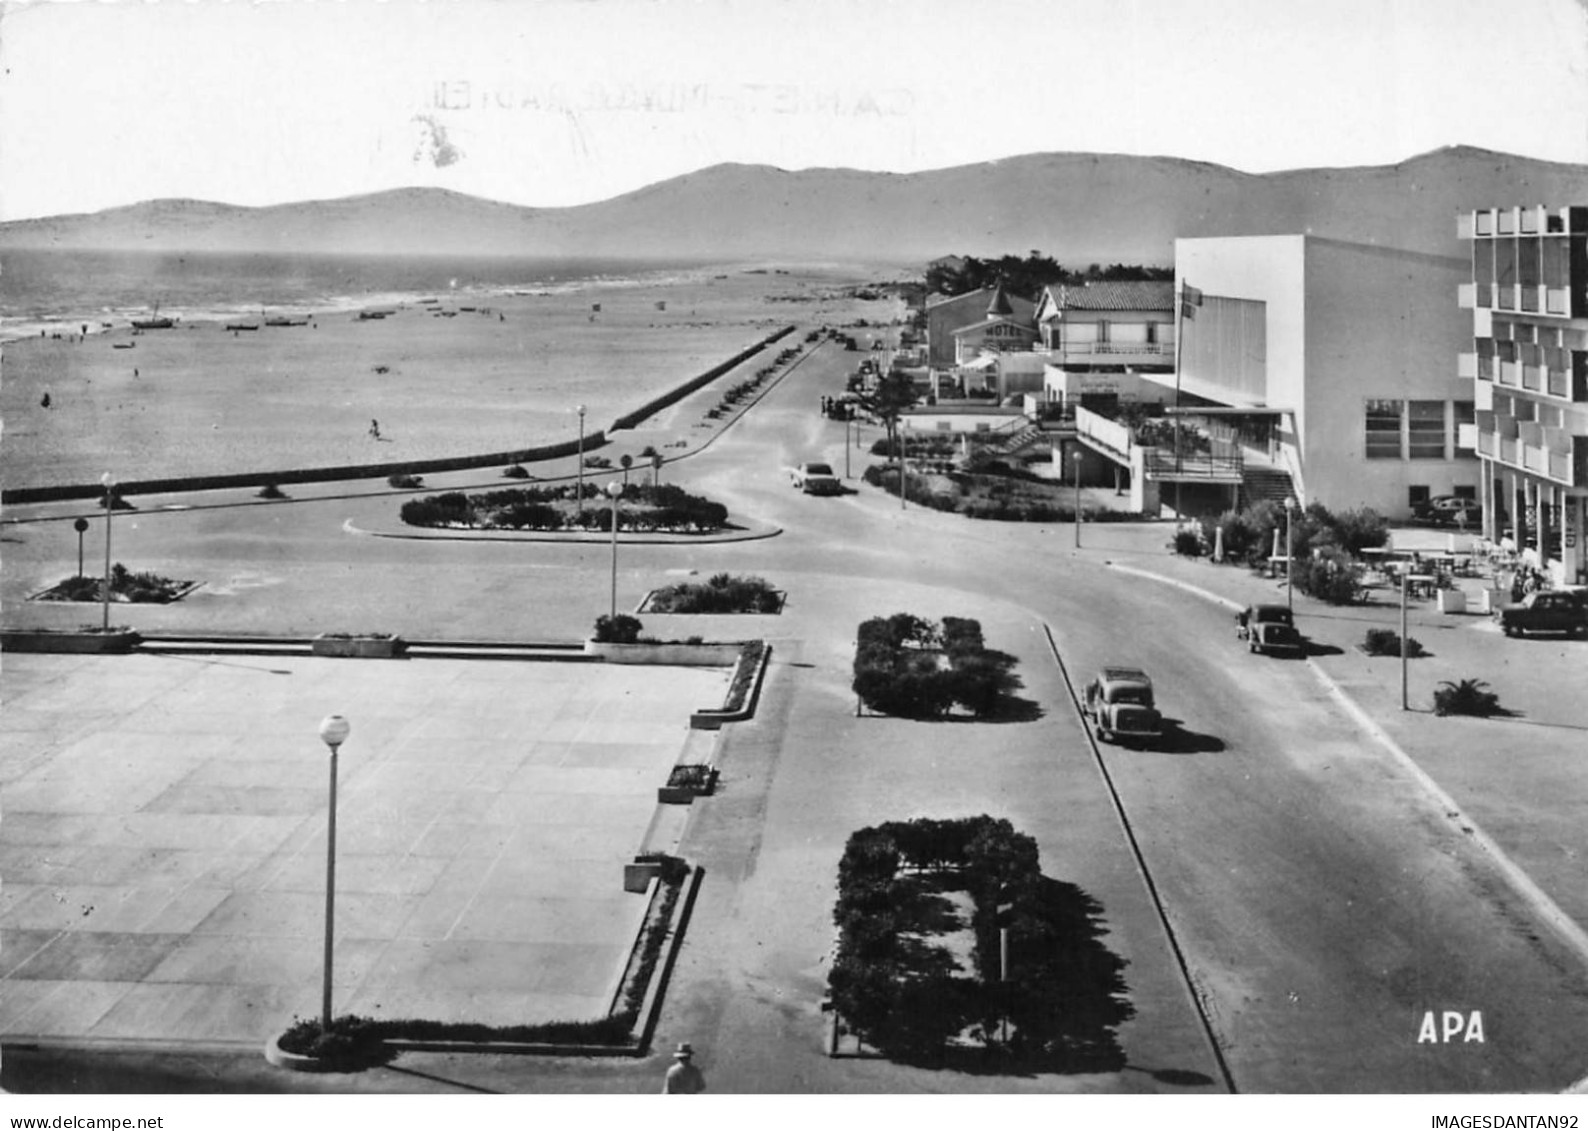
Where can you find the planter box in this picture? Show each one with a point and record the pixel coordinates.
(686, 794)
(1452, 601)
(364, 647)
(676, 655)
(117, 642)
(637, 877)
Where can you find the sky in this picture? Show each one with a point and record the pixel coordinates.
(560, 102)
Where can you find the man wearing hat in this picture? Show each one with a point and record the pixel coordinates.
(683, 1078)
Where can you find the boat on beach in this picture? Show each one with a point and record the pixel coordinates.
(157, 321)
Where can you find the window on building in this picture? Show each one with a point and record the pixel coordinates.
(1417, 494)
(1425, 429)
(1466, 412)
(1505, 273)
(942, 426)
(1383, 429)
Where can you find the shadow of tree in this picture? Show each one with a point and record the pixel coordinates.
(1064, 1000)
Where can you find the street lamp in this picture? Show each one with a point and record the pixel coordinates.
(109, 482)
(1290, 562)
(81, 526)
(627, 461)
(1077, 456)
(579, 500)
(615, 492)
(333, 732)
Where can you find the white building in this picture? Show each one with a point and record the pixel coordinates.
(1330, 361)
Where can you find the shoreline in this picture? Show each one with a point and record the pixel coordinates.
(196, 401)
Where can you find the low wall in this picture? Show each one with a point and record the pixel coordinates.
(676, 655)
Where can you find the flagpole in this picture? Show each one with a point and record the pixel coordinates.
(1179, 330)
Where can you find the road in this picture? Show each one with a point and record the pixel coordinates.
(1300, 878)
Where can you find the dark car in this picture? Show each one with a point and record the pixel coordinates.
(1545, 611)
(1450, 510)
(1269, 629)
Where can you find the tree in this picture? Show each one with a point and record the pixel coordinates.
(894, 393)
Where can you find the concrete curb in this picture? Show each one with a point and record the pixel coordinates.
(571, 539)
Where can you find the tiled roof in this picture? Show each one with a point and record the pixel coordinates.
(1022, 307)
(1154, 295)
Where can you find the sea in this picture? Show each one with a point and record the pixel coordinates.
(57, 291)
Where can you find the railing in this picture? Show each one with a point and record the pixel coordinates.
(1159, 464)
(1559, 382)
(1113, 349)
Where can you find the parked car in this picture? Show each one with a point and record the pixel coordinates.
(1270, 630)
(1545, 611)
(1118, 703)
(815, 479)
(1450, 510)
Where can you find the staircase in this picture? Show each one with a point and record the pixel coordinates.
(1265, 483)
(1019, 440)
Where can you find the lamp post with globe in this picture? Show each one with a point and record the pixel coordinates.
(109, 482)
(334, 730)
(579, 498)
(614, 492)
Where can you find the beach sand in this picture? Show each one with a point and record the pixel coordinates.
(198, 399)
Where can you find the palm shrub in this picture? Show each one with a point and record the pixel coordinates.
(1469, 697)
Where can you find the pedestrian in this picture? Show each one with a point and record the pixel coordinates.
(135, 371)
(44, 401)
(374, 429)
(683, 1077)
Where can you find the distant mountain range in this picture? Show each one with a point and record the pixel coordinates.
(1078, 208)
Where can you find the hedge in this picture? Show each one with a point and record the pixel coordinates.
(1066, 992)
(899, 667)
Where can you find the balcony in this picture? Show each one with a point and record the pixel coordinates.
(1113, 353)
(1510, 373)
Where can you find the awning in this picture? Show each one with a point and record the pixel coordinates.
(986, 361)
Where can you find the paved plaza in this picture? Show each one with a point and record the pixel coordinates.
(163, 842)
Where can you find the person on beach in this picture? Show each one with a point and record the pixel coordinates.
(374, 429)
(44, 401)
(683, 1077)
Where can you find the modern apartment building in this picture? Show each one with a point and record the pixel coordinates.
(1527, 357)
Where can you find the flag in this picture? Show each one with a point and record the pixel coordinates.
(1188, 312)
(1190, 294)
